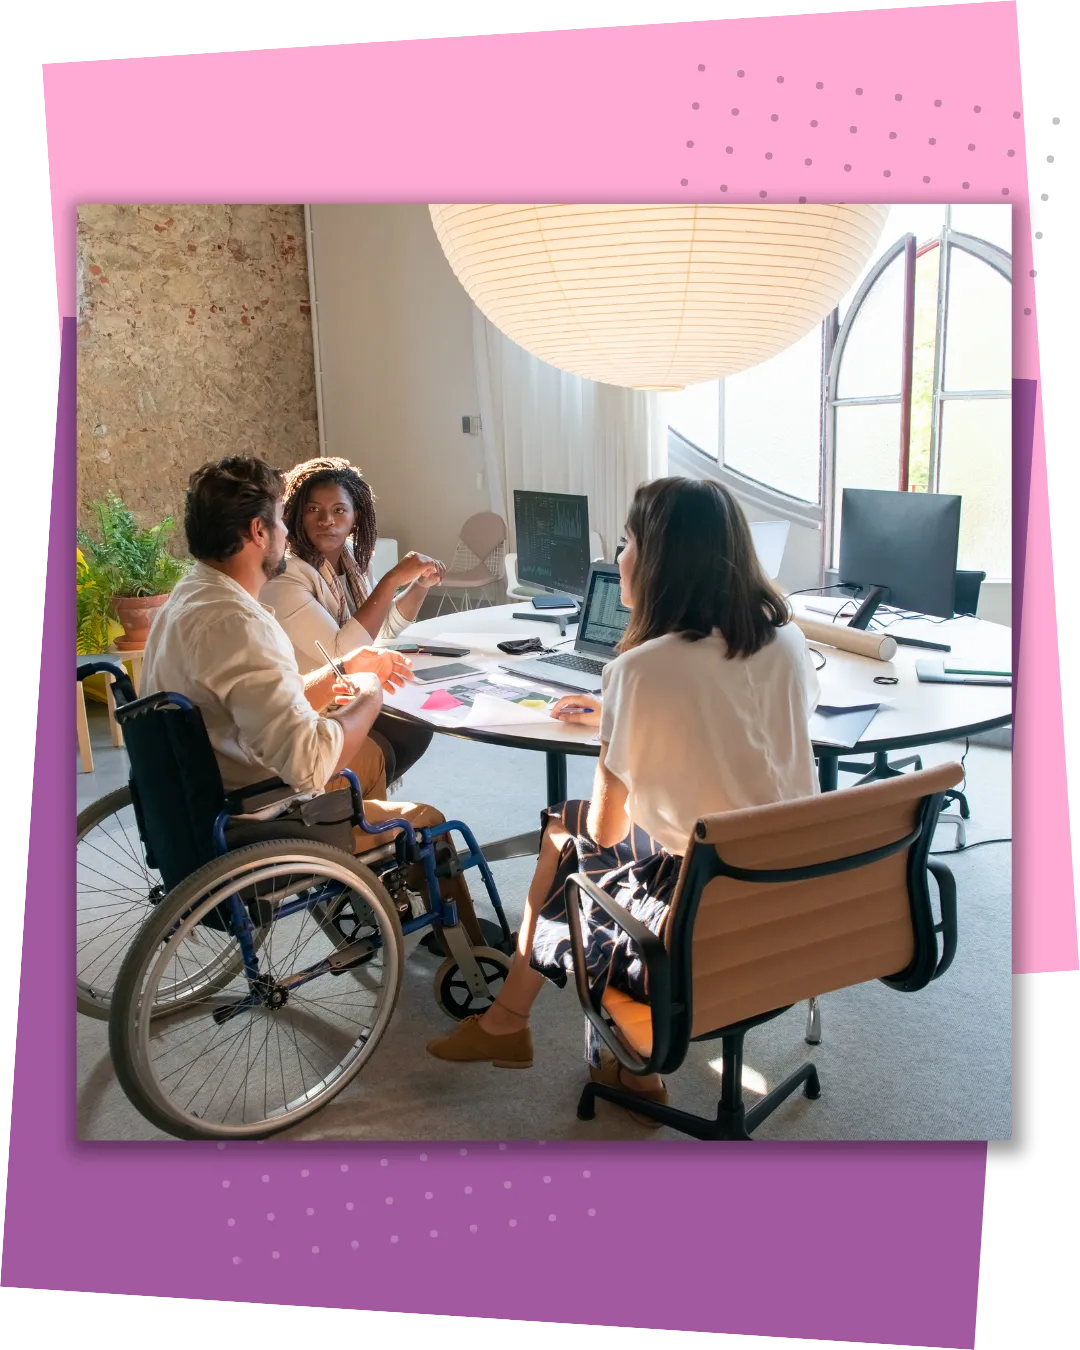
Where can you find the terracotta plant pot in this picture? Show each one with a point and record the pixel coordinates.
(136, 613)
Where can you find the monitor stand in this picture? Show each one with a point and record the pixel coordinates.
(563, 620)
(874, 597)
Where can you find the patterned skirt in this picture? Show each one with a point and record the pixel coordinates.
(638, 873)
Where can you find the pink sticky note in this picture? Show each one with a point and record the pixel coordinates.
(440, 701)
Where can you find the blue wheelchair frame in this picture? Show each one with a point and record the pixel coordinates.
(419, 846)
(413, 846)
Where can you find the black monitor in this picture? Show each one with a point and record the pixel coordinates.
(900, 549)
(553, 542)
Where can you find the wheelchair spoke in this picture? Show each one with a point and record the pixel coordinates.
(243, 1054)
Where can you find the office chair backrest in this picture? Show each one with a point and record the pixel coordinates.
(175, 783)
(968, 586)
(756, 944)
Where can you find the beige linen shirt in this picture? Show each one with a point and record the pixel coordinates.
(222, 649)
(307, 609)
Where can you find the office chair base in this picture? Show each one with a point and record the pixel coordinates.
(733, 1122)
(881, 767)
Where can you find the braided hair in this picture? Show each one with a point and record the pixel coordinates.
(315, 473)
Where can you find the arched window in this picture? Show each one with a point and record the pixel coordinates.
(920, 384)
(906, 384)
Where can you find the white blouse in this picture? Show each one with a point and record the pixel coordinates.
(690, 733)
(307, 608)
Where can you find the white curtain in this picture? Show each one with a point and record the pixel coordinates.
(546, 431)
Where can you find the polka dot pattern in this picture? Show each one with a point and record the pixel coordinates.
(888, 148)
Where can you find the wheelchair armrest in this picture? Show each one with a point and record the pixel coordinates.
(657, 970)
(363, 824)
(947, 927)
(245, 801)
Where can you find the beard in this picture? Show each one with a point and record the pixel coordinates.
(273, 567)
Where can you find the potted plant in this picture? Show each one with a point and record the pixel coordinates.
(131, 567)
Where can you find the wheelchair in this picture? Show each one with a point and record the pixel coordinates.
(249, 967)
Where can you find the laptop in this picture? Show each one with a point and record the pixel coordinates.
(770, 539)
(603, 622)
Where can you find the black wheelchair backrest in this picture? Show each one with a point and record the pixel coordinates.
(175, 782)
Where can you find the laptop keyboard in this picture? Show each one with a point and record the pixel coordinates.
(571, 661)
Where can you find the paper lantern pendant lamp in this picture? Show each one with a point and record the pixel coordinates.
(657, 297)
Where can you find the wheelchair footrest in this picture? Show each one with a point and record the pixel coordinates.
(355, 954)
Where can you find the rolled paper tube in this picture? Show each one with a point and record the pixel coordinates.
(877, 645)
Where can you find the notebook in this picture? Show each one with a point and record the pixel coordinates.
(843, 727)
(935, 672)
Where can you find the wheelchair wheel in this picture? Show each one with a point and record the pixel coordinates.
(301, 1014)
(452, 992)
(116, 891)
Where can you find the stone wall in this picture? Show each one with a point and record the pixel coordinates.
(194, 341)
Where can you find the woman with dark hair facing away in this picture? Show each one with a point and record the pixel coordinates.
(326, 595)
(705, 709)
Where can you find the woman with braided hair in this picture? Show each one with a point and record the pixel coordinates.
(326, 595)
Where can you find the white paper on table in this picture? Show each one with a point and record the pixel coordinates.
(488, 711)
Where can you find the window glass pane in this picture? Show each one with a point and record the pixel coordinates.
(694, 413)
(872, 359)
(923, 221)
(976, 462)
(978, 330)
(867, 453)
(772, 420)
(992, 223)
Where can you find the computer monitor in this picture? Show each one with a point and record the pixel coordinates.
(900, 549)
(553, 541)
(770, 540)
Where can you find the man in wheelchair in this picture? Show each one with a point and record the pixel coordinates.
(216, 644)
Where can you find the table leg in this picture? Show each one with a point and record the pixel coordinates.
(813, 1023)
(135, 658)
(115, 733)
(556, 777)
(82, 728)
(829, 770)
(528, 845)
(829, 781)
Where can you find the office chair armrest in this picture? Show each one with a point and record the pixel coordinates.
(657, 972)
(947, 927)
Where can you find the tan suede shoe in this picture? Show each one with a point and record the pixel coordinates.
(471, 1044)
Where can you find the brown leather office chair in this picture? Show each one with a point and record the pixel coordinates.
(776, 904)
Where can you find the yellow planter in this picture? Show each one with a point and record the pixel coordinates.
(94, 685)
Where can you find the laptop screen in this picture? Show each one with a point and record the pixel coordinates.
(604, 619)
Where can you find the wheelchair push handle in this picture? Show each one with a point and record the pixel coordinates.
(123, 689)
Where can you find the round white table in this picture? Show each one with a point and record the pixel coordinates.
(912, 713)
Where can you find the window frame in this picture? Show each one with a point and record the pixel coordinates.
(688, 459)
(946, 239)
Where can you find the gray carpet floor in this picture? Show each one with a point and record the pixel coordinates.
(932, 1065)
